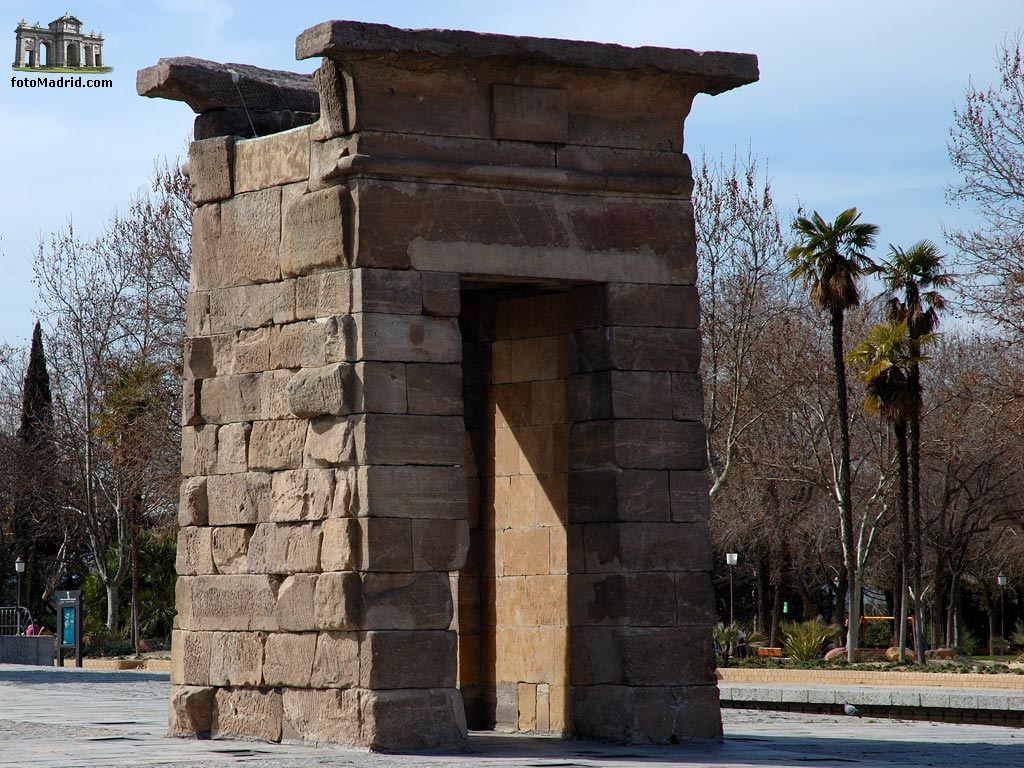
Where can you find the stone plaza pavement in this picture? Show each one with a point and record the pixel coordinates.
(75, 718)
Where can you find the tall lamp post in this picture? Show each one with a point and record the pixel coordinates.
(1001, 581)
(19, 568)
(731, 558)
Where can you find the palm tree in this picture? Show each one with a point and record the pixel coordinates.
(830, 258)
(886, 358)
(912, 279)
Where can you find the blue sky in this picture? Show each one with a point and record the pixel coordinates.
(853, 107)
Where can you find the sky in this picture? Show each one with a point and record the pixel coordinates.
(853, 107)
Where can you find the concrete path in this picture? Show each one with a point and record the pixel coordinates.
(70, 718)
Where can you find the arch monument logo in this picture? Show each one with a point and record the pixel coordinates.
(60, 46)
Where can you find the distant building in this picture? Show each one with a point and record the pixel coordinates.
(59, 44)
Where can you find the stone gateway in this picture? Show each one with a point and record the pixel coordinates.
(61, 43)
(443, 446)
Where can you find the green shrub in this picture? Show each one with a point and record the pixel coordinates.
(803, 640)
(969, 642)
(725, 638)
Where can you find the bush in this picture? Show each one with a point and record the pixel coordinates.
(803, 640)
(725, 637)
(969, 642)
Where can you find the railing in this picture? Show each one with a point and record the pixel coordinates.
(14, 620)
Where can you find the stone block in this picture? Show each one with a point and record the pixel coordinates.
(666, 306)
(407, 338)
(406, 601)
(191, 711)
(612, 494)
(238, 499)
(379, 388)
(230, 545)
(687, 397)
(283, 549)
(207, 269)
(434, 389)
(337, 601)
(277, 444)
(321, 390)
(339, 545)
(401, 659)
(191, 394)
(527, 113)
(543, 723)
(413, 719)
(194, 555)
(533, 359)
(197, 313)
(309, 343)
(344, 493)
(236, 658)
(689, 496)
(312, 237)
(242, 603)
(526, 698)
(322, 716)
(631, 547)
(330, 442)
(657, 714)
(637, 444)
(411, 491)
(232, 448)
(511, 405)
(192, 503)
(243, 307)
(386, 291)
(654, 349)
(548, 402)
(336, 662)
(532, 317)
(641, 656)
(302, 494)
(210, 169)
(198, 450)
(385, 544)
(269, 161)
(209, 356)
(250, 235)
(695, 604)
(402, 439)
(247, 714)
(439, 545)
(441, 294)
(526, 551)
(229, 399)
(623, 599)
(294, 611)
(288, 659)
(190, 657)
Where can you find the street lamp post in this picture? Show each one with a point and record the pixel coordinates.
(731, 558)
(1001, 581)
(19, 568)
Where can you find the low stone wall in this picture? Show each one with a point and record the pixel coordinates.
(866, 677)
(19, 649)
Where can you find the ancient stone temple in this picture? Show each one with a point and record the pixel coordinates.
(444, 452)
(61, 43)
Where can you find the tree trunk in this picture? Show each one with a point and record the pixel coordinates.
(763, 590)
(112, 617)
(899, 429)
(845, 500)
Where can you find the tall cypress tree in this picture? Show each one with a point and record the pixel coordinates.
(37, 402)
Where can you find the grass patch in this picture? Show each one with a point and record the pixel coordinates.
(66, 70)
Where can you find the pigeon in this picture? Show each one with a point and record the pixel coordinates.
(851, 710)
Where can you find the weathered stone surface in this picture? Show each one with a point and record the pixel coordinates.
(331, 715)
(330, 442)
(295, 603)
(192, 505)
(243, 307)
(273, 400)
(190, 657)
(439, 545)
(687, 397)
(408, 719)
(407, 660)
(312, 237)
(250, 236)
(623, 599)
(336, 663)
(399, 439)
(244, 713)
(441, 295)
(302, 494)
(228, 399)
(198, 450)
(631, 547)
(191, 394)
(252, 351)
(239, 499)
(231, 548)
(285, 548)
(379, 388)
(434, 389)
(236, 658)
(197, 312)
(310, 343)
(413, 491)
(666, 306)
(637, 444)
(209, 169)
(288, 659)
(406, 601)
(229, 603)
(271, 161)
(340, 544)
(337, 601)
(277, 444)
(323, 294)
(612, 494)
(232, 448)
(689, 496)
(657, 714)
(407, 338)
(386, 291)
(385, 544)
(206, 356)
(641, 656)
(191, 711)
(524, 113)
(194, 555)
(321, 390)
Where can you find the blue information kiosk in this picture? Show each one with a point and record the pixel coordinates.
(69, 607)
